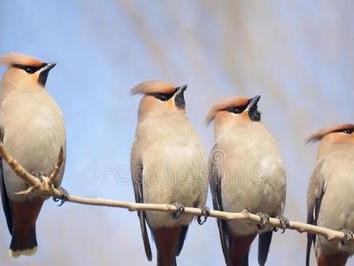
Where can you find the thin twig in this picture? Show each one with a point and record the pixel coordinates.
(244, 215)
(48, 189)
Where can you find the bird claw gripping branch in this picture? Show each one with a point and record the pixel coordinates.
(201, 219)
(264, 220)
(180, 210)
(348, 236)
(284, 223)
(63, 197)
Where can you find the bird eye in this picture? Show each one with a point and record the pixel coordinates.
(348, 131)
(29, 70)
(236, 109)
(163, 96)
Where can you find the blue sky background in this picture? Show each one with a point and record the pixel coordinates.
(299, 56)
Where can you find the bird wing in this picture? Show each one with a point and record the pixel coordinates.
(264, 240)
(315, 194)
(137, 179)
(5, 199)
(215, 187)
(182, 236)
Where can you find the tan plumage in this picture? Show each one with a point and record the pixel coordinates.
(168, 165)
(246, 172)
(34, 133)
(329, 200)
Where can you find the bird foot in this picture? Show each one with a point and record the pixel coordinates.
(43, 189)
(264, 220)
(284, 223)
(201, 219)
(63, 197)
(34, 191)
(348, 236)
(41, 177)
(180, 210)
(29, 193)
(246, 213)
(47, 185)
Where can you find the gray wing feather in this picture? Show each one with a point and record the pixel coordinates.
(5, 199)
(314, 198)
(137, 179)
(215, 187)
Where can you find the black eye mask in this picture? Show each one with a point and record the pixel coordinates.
(179, 99)
(253, 112)
(347, 131)
(29, 69)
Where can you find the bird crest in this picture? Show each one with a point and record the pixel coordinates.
(153, 86)
(20, 59)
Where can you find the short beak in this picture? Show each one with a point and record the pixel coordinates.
(42, 79)
(179, 97)
(181, 89)
(253, 102)
(48, 67)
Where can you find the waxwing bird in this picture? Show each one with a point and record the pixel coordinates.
(330, 201)
(34, 134)
(168, 165)
(245, 173)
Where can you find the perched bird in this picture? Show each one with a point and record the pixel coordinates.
(246, 173)
(34, 135)
(168, 165)
(329, 199)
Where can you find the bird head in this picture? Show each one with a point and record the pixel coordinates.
(24, 72)
(343, 133)
(333, 138)
(160, 97)
(238, 108)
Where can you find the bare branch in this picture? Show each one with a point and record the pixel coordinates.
(46, 188)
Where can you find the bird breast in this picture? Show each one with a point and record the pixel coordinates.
(174, 166)
(252, 175)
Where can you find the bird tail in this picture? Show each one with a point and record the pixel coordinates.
(161, 261)
(332, 259)
(239, 249)
(166, 240)
(24, 241)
